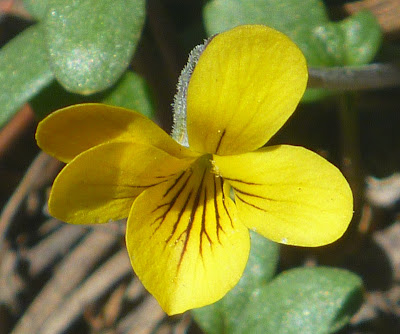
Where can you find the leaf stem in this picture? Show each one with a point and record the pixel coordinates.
(351, 165)
(352, 78)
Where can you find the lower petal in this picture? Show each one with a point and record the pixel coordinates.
(101, 183)
(289, 194)
(185, 242)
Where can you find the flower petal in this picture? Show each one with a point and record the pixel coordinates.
(69, 131)
(289, 194)
(185, 242)
(246, 84)
(101, 183)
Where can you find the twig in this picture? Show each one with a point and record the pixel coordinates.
(11, 284)
(389, 240)
(73, 269)
(28, 182)
(13, 7)
(134, 291)
(17, 125)
(114, 305)
(144, 319)
(102, 318)
(117, 227)
(44, 254)
(387, 13)
(96, 286)
(49, 226)
(183, 324)
(373, 76)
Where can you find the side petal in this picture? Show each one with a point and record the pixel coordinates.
(246, 84)
(289, 194)
(67, 132)
(101, 183)
(185, 242)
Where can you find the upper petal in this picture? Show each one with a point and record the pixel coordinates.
(246, 84)
(185, 242)
(289, 194)
(101, 183)
(69, 131)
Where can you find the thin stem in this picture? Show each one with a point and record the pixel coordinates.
(352, 165)
(352, 78)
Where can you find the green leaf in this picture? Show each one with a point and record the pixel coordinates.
(37, 8)
(288, 16)
(303, 300)
(223, 316)
(363, 38)
(131, 92)
(315, 94)
(325, 45)
(91, 42)
(54, 97)
(24, 71)
(353, 41)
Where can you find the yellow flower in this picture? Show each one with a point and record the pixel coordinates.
(187, 239)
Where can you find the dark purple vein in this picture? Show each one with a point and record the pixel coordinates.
(251, 204)
(220, 140)
(223, 201)
(203, 231)
(191, 220)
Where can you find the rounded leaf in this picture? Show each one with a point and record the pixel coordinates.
(131, 92)
(24, 71)
(286, 16)
(91, 42)
(223, 316)
(352, 41)
(303, 300)
(363, 38)
(37, 8)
